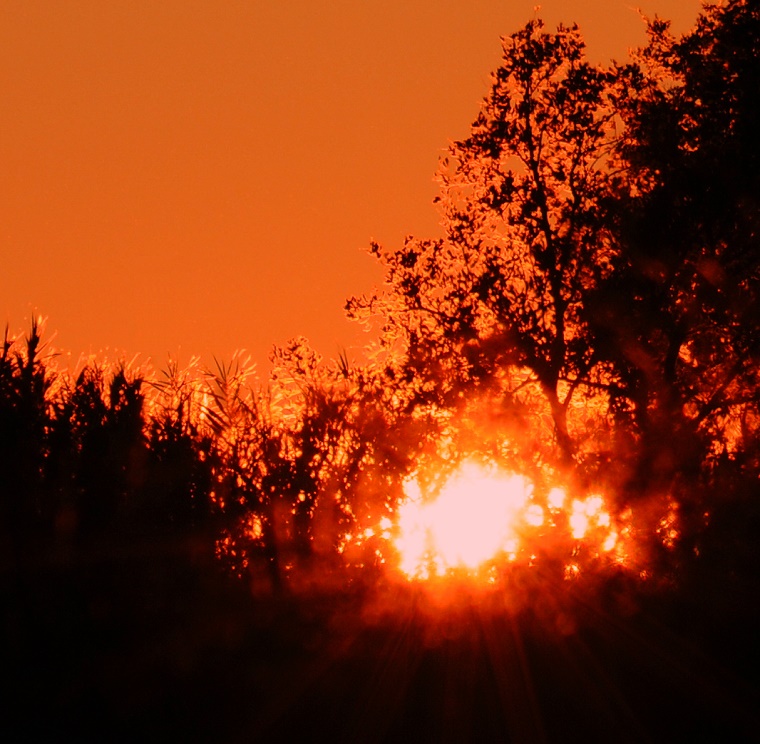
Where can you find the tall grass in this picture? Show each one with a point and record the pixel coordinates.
(268, 472)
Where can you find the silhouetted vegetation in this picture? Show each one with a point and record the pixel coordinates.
(178, 541)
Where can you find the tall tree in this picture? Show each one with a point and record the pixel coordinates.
(682, 311)
(600, 260)
(524, 243)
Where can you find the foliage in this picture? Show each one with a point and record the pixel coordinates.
(591, 311)
(520, 200)
(599, 265)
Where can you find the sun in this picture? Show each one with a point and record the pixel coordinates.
(483, 518)
(475, 517)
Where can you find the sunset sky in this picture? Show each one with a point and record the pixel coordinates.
(193, 176)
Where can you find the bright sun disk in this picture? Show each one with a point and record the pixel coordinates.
(473, 519)
(482, 514)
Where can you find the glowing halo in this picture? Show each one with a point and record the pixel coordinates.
(473, 519)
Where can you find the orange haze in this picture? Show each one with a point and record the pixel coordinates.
(192, 177)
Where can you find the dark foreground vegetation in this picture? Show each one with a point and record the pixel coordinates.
(173, 552)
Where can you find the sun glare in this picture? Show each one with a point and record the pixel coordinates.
(473, 519)
(483, 517)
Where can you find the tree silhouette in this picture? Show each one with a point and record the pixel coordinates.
(689, 223)
(525, 243)
(681, 313)
(600, 261)
(316, 455)
(26, 512)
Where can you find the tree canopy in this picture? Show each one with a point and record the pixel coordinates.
(599, 265)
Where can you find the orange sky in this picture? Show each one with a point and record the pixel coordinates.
(195, 176)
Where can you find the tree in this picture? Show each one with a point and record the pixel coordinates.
(525, 240)
(681, 315)
(600, 260)
(25, 422)
(692, 218)
(315, 456)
